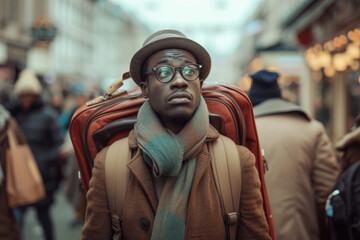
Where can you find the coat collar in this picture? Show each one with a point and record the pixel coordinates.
(274, 106)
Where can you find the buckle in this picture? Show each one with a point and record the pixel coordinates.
(231, 218)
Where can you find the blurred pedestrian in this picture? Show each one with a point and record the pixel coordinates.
(349, 145)
(343, 203)
(301, 161)
(39, 124)
(9, 229)
(73, 193)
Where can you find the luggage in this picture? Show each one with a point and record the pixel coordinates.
(107, 119)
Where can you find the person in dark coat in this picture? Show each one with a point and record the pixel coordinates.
(38, 121)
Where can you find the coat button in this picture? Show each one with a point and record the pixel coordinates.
(144, 224)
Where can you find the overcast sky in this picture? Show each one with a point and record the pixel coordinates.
(216, 24)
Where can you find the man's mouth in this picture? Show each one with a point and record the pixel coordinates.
(180, 97)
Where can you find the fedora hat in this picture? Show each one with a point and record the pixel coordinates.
(168, 39)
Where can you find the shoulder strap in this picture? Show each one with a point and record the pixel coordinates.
(226, 168)
(116, 181)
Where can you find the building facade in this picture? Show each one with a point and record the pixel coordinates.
(92, 40)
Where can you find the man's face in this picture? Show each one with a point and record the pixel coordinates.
(177, 100)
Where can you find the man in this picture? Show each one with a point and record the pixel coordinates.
(171, 191)
(301, 161)
(38, 122)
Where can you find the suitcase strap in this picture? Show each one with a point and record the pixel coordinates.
(116, 180)
(226, 168)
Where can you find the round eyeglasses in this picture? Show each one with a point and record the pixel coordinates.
(164, 74)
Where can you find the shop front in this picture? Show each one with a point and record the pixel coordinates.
(332, 52)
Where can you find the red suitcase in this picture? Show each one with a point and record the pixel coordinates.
(95, 126)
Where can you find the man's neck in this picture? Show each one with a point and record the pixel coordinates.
(173, 125)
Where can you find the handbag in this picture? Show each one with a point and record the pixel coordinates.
(24, 184)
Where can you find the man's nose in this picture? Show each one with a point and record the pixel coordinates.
(179, 81)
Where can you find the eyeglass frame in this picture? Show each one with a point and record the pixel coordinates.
(174, 71)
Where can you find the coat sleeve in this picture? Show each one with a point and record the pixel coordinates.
(97, 219)
(253, 223)
(325, 168)
(324, 175)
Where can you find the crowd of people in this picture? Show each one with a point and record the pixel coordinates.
(170, 146)
(44, 127)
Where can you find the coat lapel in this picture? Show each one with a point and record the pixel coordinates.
(142, 174)
(202, 164)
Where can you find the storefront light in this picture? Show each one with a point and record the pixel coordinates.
(314, 64)
(343, 40)
(356, 33)
(317, 48)
(353, 50)
(340, 62)
(329, 46)
(329, 71)
(324, 59)
(337, 42)
(351, 36)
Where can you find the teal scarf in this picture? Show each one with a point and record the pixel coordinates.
(174, 156)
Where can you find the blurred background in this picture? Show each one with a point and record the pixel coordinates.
(313, 44)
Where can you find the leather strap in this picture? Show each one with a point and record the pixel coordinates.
(227, 173)
(116, 180)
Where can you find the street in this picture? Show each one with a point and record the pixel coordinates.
(62, 214)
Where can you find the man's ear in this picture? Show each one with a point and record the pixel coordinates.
(144, 89)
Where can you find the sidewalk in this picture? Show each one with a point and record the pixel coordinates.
(62, 215)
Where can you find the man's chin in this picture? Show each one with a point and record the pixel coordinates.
(180, 117)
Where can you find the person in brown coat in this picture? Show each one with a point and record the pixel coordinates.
(9, 229)
(171, 191)
(301, 161)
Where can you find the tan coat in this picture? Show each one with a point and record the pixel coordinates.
(204, 220)
(302, 168)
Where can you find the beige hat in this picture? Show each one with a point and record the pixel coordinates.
(168, 39)
(27, 83)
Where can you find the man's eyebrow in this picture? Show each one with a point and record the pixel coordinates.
(168, 60)
(163, 61)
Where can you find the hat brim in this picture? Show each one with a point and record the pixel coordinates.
(201, 55)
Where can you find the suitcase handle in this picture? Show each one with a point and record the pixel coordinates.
(110, 90)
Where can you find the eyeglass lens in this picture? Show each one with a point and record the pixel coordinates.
(166, 73)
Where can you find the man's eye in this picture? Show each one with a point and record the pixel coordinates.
(189, 71)
(163, 73)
